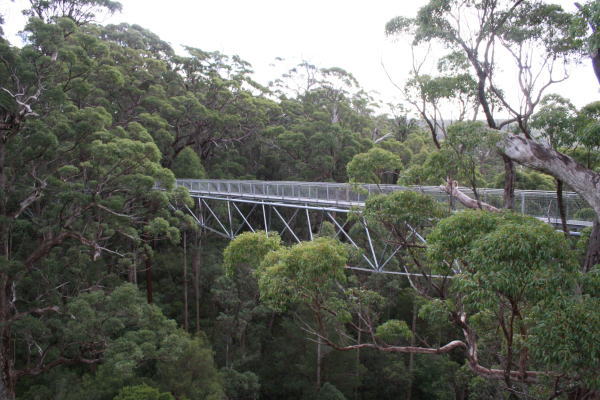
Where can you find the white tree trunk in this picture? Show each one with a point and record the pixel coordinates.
(543, 158)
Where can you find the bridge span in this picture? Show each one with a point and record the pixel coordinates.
(297, 210)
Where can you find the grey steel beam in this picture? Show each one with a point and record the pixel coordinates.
(217, 219)
(399, 273)
(286, 225)
(382, 266)
(229, 218)
(310, 234)
(245, 218)
(351, 241)
(364, 224)
(265, 219)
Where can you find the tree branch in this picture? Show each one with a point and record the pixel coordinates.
(451, 187)
(34, 311)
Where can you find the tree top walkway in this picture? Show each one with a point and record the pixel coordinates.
(343, 196)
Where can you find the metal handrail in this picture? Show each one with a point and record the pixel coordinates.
(533, 202)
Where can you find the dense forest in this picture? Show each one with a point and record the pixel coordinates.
(109, 289)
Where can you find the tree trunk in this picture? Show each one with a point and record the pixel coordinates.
(592, 256)
(186, 318)
(561, 206)
(319, 363)
(7, 384)
(2, 174)
(196, 264)
(535, 155)
(583, 180)
(596, 63)
(509, 183)
(411, 356)
(357, 372)
(132, 272)
(149, 290)
(7, 389)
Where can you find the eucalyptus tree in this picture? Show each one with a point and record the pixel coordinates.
(334, 91)
(555, 122)
(326, 118)
(538, 40)
(81, 12)
(238, 295)
(75, 174)
(477, 32)
(467, 148)
(431, 96)
(213, 104)
(306, 273)
(589, 21)
(504, 281)
(125, 341)
(375, 166)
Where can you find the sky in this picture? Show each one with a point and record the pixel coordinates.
(328, 33)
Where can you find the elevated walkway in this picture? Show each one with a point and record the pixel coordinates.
(342, 196)
(297, 210)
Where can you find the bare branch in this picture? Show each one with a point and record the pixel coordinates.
(451, 187)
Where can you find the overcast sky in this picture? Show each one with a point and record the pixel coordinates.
(342, 33)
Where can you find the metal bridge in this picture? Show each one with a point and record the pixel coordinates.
(297, 210)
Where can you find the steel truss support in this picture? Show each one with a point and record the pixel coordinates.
(244, 217)
(230, 219)
(287, 226)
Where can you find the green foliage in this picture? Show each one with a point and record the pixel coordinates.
(522, 246)
(392, 331)
(192, 373)
(79, 11)
(585, 214)
(470, 143)
(240, 386)
(404, 207)
(453, 237)
(188, 165)
(133, 339)
(565, 336)
(330, 392)
(512, 262)
(161, 227)
(522, 262)
(142, 392)
(528, 180)
(556, 121)
(248, 250)
(467, 155)
(328, 229)
(118, 112)
(373, 166)
(589, 125)
(304, 273)
(415, 143)
(398, 148)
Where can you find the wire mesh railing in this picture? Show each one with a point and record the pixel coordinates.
(541, 204)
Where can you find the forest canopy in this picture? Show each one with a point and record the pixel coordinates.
(111, 288)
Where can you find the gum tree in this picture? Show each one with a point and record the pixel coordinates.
(71, 179)
(538, 40)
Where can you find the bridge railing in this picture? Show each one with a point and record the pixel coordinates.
(339, 193)
(533, 202)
